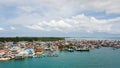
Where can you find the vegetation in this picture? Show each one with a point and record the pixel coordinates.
(16, 39)
(61, 47)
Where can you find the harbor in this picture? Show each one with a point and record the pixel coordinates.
(59, 34)
(11, 50)
(104, 57)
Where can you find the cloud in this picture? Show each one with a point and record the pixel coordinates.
(12, 28)
(1, 29)
(50, 26)
(35, 27)
(64, 7)
(27, 9)
(80, 23)
(61, 15)
(24, 19)
(32, 11)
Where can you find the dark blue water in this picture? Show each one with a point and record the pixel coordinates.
(98, 58)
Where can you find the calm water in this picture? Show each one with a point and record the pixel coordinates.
(98, 58)
(95, 38)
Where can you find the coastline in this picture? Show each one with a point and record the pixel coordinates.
(10, 49)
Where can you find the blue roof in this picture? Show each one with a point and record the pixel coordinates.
(30, 50)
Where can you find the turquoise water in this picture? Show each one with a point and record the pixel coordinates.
(98, 58)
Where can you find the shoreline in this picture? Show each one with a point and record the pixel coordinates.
(22, 49)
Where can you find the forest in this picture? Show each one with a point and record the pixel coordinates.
(16, 39)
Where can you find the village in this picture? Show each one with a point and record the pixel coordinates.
(10, 50)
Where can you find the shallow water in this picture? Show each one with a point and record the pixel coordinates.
(104, 57)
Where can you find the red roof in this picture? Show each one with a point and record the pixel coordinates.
(38, 50)
(3, 50)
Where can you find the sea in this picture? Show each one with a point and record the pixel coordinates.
(93, 38)
(105, 57)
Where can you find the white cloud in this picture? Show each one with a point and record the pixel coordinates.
(12, 28)
(59, 15)
(35, 27)
(77, 24)
(23, 19)
(110, 6)
(64, 8)
(60, 24)
(49, 26)
(28, 12)
(1, 29)
(27, 9)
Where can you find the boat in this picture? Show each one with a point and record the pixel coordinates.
(3, 59)
(47, 49)
(82, 49)
(70, 50)
(18, 56)
(39, 53)
(52, 55)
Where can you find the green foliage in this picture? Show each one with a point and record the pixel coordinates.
(16, 39)
(61, 47)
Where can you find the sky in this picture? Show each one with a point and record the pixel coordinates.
(60, 18)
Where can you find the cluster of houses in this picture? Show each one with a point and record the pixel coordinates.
(94, 43)
(85, 45)
(18, 50)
